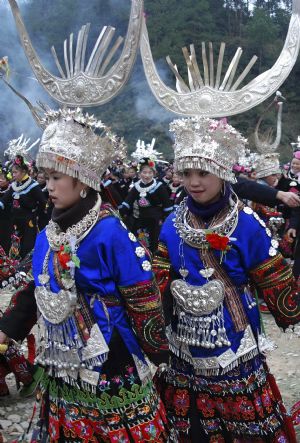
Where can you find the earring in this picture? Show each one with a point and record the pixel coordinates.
(83, 193)
(223, 192)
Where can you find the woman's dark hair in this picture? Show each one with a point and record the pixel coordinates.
(146, 161)
(20, 164)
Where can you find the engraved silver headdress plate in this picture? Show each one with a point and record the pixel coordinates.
(92, 83)
(208, 95)
(20, 146)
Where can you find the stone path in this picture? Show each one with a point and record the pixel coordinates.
(284, 362)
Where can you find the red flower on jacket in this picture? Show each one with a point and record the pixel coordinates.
(64, 258)
(216, 241)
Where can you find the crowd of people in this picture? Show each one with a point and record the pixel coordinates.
(185, 224)
(145, 192)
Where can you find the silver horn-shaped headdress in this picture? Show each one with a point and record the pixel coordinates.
(88, 84)
(267, 163)
(210, 96)
(146, 150)
(19, 146)
(266, 146)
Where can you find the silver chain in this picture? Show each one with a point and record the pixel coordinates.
(143, 191)
(56, 237)
(197, 237)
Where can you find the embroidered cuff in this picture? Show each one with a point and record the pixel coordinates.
(144, 308)
(280, 290)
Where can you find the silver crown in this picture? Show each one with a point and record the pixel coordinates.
(70, 145)
(20, 146)
(207, 144)
(267, 162)
(207, 94)
(246, 159)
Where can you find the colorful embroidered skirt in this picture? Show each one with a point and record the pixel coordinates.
(241, 406)
(116, 414)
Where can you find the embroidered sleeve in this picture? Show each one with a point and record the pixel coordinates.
(22, 311)
(143, 303)
(275, 282)
(161, 267)
(127, 204)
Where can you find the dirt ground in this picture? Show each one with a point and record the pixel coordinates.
(284, 362)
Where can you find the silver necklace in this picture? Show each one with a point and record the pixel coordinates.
(197, 237)
(56, 237)
(143, 191)
(18, 188)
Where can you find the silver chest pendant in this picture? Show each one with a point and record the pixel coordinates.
(200, 314)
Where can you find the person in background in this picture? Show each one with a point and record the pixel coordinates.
(110, 189)
(129, 176)
(290, 182)
(5, 216)
(146, 205)
(33, 170)
(167, 176)
(175, 187)
(24, 197)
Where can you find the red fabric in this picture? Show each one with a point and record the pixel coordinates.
(288, 422)
(31, 348)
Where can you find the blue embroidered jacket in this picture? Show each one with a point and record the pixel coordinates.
(115, 273)
(251, 253)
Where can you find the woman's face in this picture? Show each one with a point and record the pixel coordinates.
(131, 173)
(18, 174)
(64, 191)
(176, 179)
(147, 174)
(168, 174)
(203, 187)
(41, 178)
(272, 180)
(295, 165)
(3, 181)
